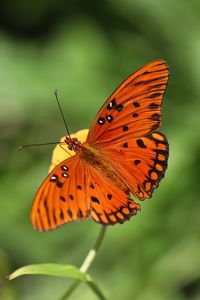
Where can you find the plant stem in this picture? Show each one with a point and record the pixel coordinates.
(85, 266)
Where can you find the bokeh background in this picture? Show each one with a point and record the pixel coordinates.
(85, 49)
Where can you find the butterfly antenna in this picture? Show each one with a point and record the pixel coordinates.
(56, 95)
(43, 144)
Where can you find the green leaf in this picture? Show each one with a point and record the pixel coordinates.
(52, 270)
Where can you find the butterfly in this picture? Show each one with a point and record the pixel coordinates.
(123, 154)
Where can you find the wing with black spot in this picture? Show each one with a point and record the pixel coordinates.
(134, 109)
(75, 190)
(109, 204)
(141, 162)
(62, 197)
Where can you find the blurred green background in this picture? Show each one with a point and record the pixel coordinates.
(85, 49)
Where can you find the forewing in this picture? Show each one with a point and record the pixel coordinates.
(134, 109)
(62, 197)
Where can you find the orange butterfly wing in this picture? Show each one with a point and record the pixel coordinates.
(62, 197)
(134, 109)
(124, 129)
(124, 132)
(73, 191)
(142, 162)
(109, 204)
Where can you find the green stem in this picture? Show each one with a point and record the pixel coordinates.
(85, 266)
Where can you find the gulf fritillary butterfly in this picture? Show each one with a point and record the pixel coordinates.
(123, 154)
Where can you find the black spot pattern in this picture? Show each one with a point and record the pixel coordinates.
(92, 186)
(54, 178)
(119, 216)
(59, 184)
(134, 115)
(137, 161)
(54, 217)
(140, 143)
(125, 128)
(71, 197)
(62, 199)
(157, 171)
(62, 215)
(149, 80)
(109, 196)
(136, 104)
(65, 175)
(95, 199)
(155, 117)
(64, 168)
(79, 187)
(157, 86)
(155, 126)
(112, 104)
(79, 214)
(109, 118)
(154, 95)
(69, 213)
(153, 105)
(101, 121)
(125, 145)
(119, 107)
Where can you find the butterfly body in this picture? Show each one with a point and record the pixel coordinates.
(123, 154)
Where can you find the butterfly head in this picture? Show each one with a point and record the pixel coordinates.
(73, 144)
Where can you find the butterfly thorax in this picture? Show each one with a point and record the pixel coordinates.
(73, 144)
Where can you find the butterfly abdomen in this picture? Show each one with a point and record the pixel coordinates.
(95, 158)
